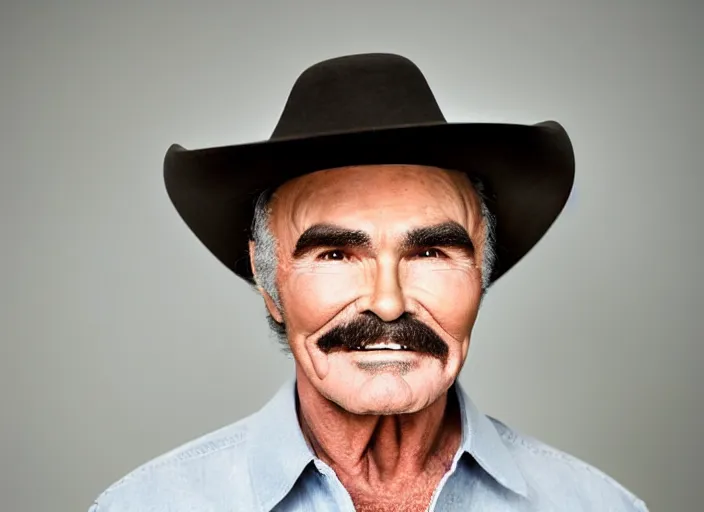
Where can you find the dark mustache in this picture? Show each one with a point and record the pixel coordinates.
(368, 328)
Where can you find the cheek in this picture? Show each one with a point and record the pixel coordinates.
(450, 295)
(318, 294)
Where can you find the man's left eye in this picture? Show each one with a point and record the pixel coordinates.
(430, 253)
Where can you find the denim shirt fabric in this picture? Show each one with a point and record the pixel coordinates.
(263, 463)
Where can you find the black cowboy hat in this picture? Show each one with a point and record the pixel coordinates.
(363, 110)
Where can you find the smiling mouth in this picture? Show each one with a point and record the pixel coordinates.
(380, 346)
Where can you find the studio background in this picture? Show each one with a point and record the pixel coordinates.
(122, 337)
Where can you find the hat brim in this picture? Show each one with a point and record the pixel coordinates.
(528, 171)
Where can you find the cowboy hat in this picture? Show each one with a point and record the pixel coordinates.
(372, 109)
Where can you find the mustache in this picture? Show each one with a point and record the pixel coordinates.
(368, 328)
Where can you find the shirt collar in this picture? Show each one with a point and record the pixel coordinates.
(481, 440)
(278, 453)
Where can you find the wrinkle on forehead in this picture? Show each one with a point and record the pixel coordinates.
(296, 202)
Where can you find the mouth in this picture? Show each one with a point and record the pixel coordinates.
(381, 346)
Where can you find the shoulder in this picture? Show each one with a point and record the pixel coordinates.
(204, 474)
(558, 478)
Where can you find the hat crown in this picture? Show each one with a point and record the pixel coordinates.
(357, 92)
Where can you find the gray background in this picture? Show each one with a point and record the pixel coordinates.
(122, 337)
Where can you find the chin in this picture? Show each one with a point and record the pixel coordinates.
(386, 394)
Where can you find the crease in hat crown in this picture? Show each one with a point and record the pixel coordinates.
(368, 91)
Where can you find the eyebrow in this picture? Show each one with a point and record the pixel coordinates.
(446, 234)
(328, 235)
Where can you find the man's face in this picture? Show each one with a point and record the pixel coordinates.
(391, 253)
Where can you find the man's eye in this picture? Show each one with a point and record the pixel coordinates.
(335, 255)
(430, 253)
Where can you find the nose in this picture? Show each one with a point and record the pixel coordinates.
(387, 300)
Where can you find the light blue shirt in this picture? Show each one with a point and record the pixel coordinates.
(263, 463)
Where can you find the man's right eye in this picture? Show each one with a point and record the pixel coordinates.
(334, 255)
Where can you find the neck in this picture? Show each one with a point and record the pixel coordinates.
(380, 449)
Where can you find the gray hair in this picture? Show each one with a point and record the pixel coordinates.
(265, 259)
(266, 262)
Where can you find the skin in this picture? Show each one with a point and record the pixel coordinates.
(388, 430)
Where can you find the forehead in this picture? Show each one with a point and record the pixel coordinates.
(375, 195)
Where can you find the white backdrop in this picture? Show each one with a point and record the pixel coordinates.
(122, 337)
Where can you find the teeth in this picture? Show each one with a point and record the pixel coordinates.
(384, 346)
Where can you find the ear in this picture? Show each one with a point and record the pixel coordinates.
(268, 301)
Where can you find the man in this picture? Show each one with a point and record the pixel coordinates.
(376, 229)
